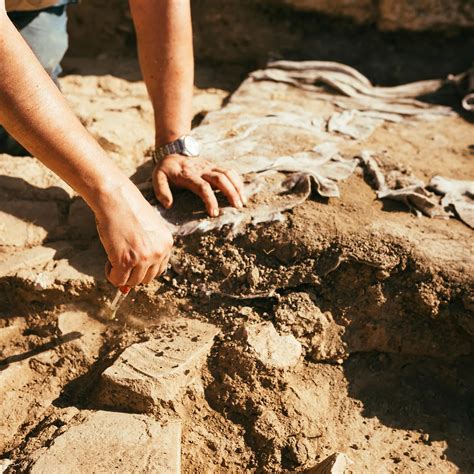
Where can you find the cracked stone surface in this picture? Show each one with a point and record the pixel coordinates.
(113, 442)
(160, 369)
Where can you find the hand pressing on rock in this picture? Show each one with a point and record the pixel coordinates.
(199, 176)
(136, 239)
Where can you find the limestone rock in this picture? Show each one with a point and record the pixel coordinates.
(113, 442)
(23, 177)
(320, 335)
(337, 463)
(26, 223)
(89, 330)
(25, 258)
(271, 349)
(81, 220)
(159, 369)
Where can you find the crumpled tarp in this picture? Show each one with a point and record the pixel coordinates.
(274, 186)
(468, 99)
(456, 195)
(318, 76)
(249, 133)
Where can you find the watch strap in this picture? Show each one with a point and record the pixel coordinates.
(171, 148)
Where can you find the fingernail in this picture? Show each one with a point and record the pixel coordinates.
(215, 212)
(244, 200)
(239, 203)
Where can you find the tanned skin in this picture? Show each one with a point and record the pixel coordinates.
(32, 110)
(165, 48)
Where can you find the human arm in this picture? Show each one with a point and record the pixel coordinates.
(165, 47)
(33, 110)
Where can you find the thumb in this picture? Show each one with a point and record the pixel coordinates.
(162, 189)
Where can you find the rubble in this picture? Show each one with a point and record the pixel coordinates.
(158, 370)
(270, 348)
(337, 463)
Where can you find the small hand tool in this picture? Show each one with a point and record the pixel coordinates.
(110, 310)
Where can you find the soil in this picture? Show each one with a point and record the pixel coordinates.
(381, 301)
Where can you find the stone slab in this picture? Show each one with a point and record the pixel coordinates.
(23, 177)
(270, 348)
(26, 223)
(39, 256)
(159, 369)
(113, 442)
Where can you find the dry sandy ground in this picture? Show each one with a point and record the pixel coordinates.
(378, 298)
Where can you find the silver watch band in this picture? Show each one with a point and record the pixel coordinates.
(185, 145)
(174, 147)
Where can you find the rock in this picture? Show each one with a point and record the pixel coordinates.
(4, 463)
(113, 442)
(82, 220)
(26, 258)
(337, 463)
(158, 370)
(300, 450)
(253, 277)
(89, 329)
(271, 349)
(26, 223)
(320, 335)
(23, 177)
(19, 399)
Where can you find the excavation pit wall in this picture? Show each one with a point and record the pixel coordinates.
(366, 329)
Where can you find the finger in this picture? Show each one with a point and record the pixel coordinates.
(162, 189)
(236, 180)
(164, 265)
(117, 275)
(137, 275)
(151, 274)
(203, 189)
(221, 182)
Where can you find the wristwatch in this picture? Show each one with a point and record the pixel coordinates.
(185, 145)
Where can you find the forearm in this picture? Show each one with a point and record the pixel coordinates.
(33, 110)
(165, 48)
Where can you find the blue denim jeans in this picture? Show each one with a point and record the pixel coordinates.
(46, 34)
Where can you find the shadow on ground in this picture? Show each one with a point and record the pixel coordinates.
(422, 394)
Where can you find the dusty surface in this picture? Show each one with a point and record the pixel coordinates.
(373, 305)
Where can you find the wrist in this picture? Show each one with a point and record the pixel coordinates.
(109, 194)
(163, 137)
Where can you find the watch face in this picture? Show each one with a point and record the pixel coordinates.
(191, 146)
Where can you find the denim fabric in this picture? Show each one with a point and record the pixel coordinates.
(46, 34)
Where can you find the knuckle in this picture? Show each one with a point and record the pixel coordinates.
(129, 259)
(187, 174)
(204, 187)
(116, 280)
(220, 179)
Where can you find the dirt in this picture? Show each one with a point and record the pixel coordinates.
(379, 299)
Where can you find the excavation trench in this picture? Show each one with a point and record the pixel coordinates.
(385, 337)
(319, 319)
